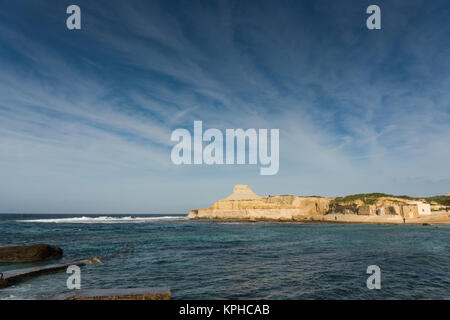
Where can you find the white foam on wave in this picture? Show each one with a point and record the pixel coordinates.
(104, 219)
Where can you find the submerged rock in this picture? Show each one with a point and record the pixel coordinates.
(36, 252)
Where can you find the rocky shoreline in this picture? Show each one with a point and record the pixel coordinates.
(244, 205)
(437, 218)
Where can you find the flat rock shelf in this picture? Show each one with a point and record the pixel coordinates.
(153, 293)
(9, 278)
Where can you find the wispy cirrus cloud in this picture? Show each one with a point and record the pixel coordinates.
(86, 117)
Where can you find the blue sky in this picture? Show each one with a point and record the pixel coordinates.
(86, 116)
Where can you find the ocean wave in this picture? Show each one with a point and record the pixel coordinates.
(104, 219)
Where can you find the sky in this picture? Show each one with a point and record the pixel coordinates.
(86, 115)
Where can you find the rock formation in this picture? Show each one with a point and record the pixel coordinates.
(156, 293)
(244, 204)
(31, 253)
(242, 192)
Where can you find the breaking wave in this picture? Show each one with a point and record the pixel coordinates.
(104, 219)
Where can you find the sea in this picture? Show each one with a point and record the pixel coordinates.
(203, 259)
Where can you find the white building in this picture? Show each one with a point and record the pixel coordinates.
(422, 208)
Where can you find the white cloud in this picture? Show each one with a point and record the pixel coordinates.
(73, 139)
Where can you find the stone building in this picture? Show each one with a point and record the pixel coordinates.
(393, 210)
(422, 208)
(410, 211)
(367, 210)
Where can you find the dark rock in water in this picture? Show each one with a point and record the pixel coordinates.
(36, 252)
(426, 224)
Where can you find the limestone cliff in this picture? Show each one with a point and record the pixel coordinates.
(243, 203)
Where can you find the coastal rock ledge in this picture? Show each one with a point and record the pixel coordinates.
(36, 252)
(244, 204)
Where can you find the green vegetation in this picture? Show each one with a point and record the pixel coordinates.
(442, 200)
(371, 198)
(368, 198)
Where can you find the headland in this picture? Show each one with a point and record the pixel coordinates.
(244, 204)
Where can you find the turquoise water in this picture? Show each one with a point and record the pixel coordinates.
(225, 260)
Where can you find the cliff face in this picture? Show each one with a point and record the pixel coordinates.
(244, 204)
